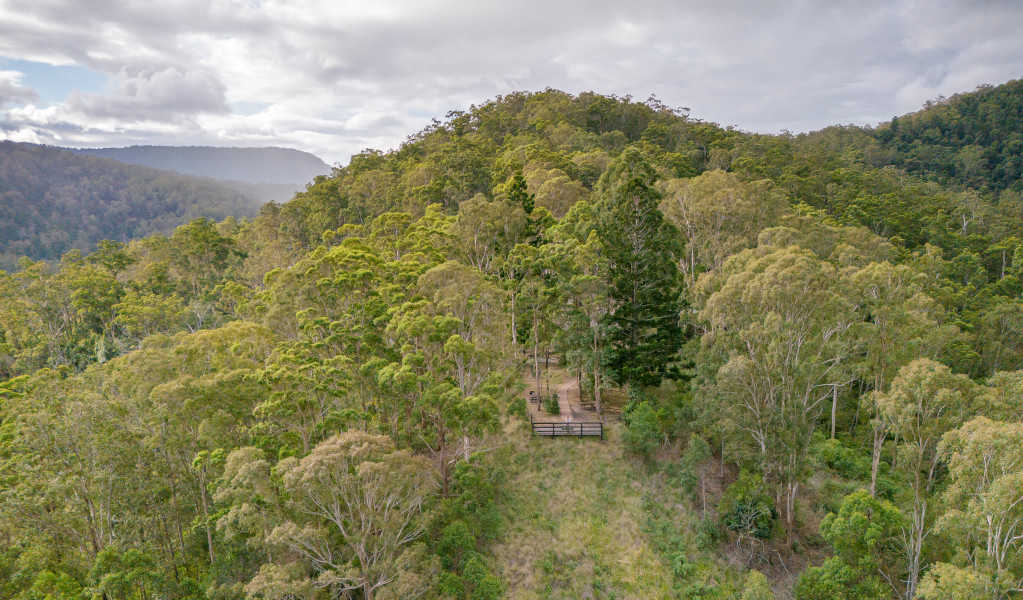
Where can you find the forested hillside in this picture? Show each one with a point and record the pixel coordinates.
(53, 200)
(251, 165)
(807, 356)
(973, 139)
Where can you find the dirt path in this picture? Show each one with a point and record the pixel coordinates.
(569, 402)
(568, 391)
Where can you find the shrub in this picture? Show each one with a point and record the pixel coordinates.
(517, 407)
(474, 500)
(688, 473)
(482, 585)
(551, 405)
(756, 587)
(746, 508)
(457, 544)
(643, 432)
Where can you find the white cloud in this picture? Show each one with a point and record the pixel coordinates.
(25, 136)
(337, 76)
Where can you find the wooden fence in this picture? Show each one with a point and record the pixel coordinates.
(568, 428)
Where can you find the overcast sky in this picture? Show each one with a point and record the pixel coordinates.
(333, 77)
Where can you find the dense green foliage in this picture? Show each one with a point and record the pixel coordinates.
(821, 354)
(973, 139)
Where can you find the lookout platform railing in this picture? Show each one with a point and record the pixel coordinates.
(567, 428)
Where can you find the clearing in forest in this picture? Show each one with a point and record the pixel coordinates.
(574, 516)
(571, 406)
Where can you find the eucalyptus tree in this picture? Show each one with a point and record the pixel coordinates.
(355, 507)
(436, 411)
(779, 325)
(985, 495)
(579, 267)
(1004, 399)
(718, 215)
(536, 297)
(487, 230)
(925, 400)
(899, 323)
(460, 291)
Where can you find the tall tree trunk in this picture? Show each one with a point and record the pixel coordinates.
(596, 372)
(536, 354)
(170, 544)
(834, 408)
(90, 516)
(791, 490)
(515, 337)
(915, 547)
(722, 457)
(875, 457)
(547, 367)
(173, 489)
(206, 513)
(442, 452)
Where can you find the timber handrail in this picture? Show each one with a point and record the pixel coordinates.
(567, 428)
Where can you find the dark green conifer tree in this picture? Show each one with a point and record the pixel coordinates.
(644, 285)
(519, 194)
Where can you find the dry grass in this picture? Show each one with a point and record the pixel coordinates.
(585, 520)
(574, 510)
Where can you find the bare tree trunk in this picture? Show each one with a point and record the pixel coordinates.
(792, 488)
(536, 355)
(915, 546)
(442, 451)
(703, 492)
(834, 409)
(875, 458)
(547, 367)
(722, 458)
(515, 339)
(206, 513)
(596, 372)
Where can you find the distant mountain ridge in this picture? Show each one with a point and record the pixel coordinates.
(52, 201)
(250, 165)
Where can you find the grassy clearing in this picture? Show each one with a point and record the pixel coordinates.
(575, 519)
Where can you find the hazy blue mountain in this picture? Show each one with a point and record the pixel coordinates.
(251, 165)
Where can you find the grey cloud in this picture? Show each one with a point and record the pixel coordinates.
(351, 74)
(11, 90)
(165, 94)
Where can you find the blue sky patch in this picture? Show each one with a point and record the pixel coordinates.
(54, 83)
(247, 109)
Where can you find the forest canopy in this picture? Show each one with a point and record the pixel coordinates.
(807, 352)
